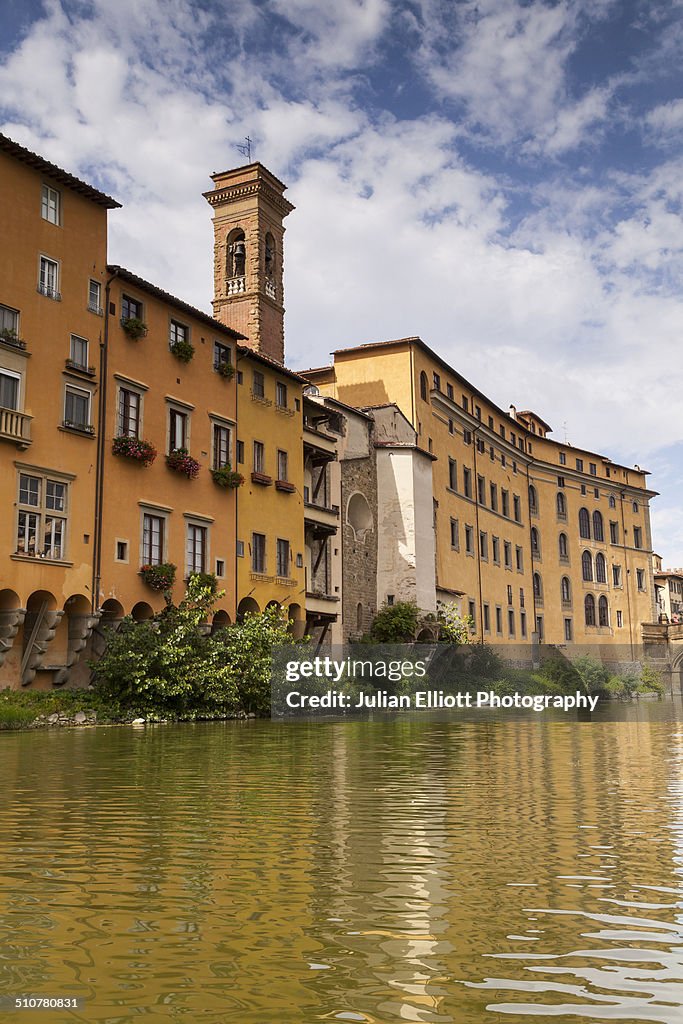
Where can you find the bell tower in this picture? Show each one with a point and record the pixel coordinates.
(249, 208)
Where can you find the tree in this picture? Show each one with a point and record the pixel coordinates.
(454, 627)
(395, 623)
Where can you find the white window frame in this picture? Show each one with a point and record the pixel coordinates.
(5, 372)
(217, 424)
(131, 390)
(8, 313)
(51, 205)
(41, 512)
(51, 291)
(163, 515)
(78, 338)
(73, 388)
(95, 307)
(203, 527)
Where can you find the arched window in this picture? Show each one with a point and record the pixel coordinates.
(612, 501)
(589, 606)
(269, 257)
(635, 507)
(237, 254)
(587, 566)
(561, 506)
(424, 384)
(533, 499)
(566, 589)
(600, 569)
(562, 544)
(535, 542)
(584, 524)
(538, 587)
(603, 612)
(598, 532)
(359, 617)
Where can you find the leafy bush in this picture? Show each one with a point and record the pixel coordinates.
(225, 369)
(227, 477)
(134, 327)
(593, 674)
(395, 623)
(454, 627)
(182, 350)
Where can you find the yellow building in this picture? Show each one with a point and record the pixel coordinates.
(537, 540)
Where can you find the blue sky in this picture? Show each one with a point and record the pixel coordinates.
(502, 178)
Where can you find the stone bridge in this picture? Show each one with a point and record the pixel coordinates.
(663, 649)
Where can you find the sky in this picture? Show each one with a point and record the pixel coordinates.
(502, 178)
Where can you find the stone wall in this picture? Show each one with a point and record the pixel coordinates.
(359, 548)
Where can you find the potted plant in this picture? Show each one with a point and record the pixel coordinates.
(180, 461)
(182, 350)
(10, 336)
(225, 369)
(134, 327)
(227, 477)
(134, 448)
(158, 577)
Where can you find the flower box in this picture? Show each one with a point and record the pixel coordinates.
(261, 478)
(285, 485)
(182, 350)
(180, 461)
(134, 448)
(225, 369)
(227, 477)
(134, 327)
(158, 577)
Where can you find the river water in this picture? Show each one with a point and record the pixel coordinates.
(403, 869)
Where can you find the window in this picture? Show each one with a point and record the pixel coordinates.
(481, 490)
(494, 497)
(455, 539)
(563, 547)
(95, 297)
(453, 474)
(50, 205)
(258, 552)
(467, 481)
(587, 566)
(511, 622)
(153, 530)
(640, 579)
(281, 395)
(579, 465)
(467, 436)
(535, 543)
(509, 594)
(600, 568)
(77, 408)
(240, 453)
(220, 567)
(221, 354)
(177, 429)
(282, 473)
(589, 609)
(451, 428)
(507, 554)
(48, 281)
(533, 500)
(465, 403)
(41, 519)
(258, 387)
(196, 548)
(78, 351)
(491, 427)
(592, 469)
(502, 430)
(469, 540)
(568, 629)
(637, 537)
(239, 548)
(505, 500)
(539, 626)
(620, 619)
(612, 501)
(128, 413)
(492, 453)
(121, 551)
(484, 545)
(603, 611)
(519, 558)
(9, 322)
(259, 457)
(495, 542)
(596, 492)
(449, 391)
(522, 623)
(583, 489)
(538, 587)
(221, 446)
(561, 504)
(635, 508)
(616, 575)
(9, 389)
(563, 459)
(560, 481)
(131, 309)
(471, 609)
(566, 590)
(487, 618)
(424, 386)
(584, 524)
(481, 447)
(177, 333)
(598, 532)
(614, 532)
(437, 381)
(282, 558)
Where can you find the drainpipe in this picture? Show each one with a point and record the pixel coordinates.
(101, 440)
(627, 572)
(475, 489)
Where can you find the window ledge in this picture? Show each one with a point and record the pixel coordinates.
(70, 428)
(85, 371)
(285, 485)
(261, 478)
(44, 560)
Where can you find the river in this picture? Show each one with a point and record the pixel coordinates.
(403, 869)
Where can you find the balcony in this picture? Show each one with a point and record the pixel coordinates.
(320, 603)
(88, 371)
(257, 396)
(326, 516)
(49, 292)
(320, 446)
(15, 426)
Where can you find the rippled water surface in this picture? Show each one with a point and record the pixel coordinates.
(400, 870)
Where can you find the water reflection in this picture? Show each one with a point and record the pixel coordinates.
(401, 870)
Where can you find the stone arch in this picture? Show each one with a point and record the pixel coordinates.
(359, 515)
(142, 612)
(297, 620)
(111, 610)
(247, 606)
(40, 625)
(72, 636)
(221, 620)
(236, 254)
(11, 617)
(9, 600)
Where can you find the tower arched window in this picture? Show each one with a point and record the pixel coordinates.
(584, 524)
(562, 545)
(598, 531)
(237, 253)
(424, 385)
(603, 612)
(538, 587)
(566, 589)
(587, 566)
(533, 499)
(600, 569)
(269, 257)
(561, 506)
(589, 608)
(535, 543)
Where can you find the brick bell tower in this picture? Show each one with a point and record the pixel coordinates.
(249, 208)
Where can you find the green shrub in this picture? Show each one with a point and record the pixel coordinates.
(395, 623)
